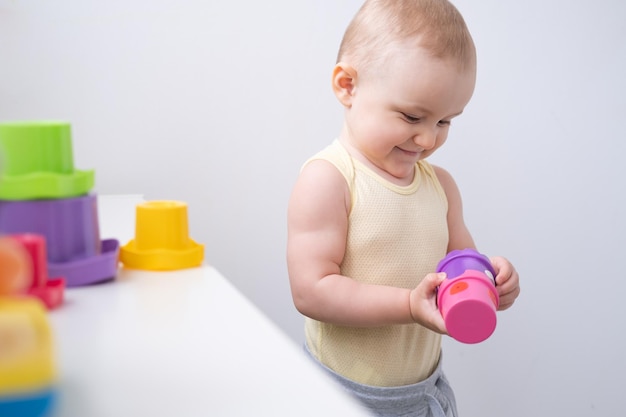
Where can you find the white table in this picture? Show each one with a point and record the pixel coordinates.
(183, 343)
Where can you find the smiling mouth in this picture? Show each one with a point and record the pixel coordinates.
(411, 153)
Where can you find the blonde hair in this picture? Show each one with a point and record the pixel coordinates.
(435, 25)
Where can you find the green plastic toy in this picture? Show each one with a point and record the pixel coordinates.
(36, 162)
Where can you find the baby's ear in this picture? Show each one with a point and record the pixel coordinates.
(344, 83)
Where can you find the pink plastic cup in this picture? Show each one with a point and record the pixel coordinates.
(468, 299)
(49, 290)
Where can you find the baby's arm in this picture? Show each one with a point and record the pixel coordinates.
(318, 227)
(459, 236)
(507, 279)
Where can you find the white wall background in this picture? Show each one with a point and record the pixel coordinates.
(218, 104)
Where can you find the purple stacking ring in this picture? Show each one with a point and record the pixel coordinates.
(458, 261)
(70, 227)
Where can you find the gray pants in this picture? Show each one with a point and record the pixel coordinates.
(432, 397)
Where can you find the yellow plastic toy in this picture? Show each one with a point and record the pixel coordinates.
(27, 370)
(162, 240)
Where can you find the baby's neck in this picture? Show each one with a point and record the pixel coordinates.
(356, 154)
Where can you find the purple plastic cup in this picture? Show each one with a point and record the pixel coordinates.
(70, 228)
(458, 261)
(90, 270)
(69, 225)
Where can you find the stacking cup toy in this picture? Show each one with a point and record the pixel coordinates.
(15, 267)
(48, 290)
(71, 231)
(161, 240)
(37, 162)
(69, 225)
(27, 369)
(468, 298)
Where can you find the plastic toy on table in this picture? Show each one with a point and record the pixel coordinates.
(27, 370)
(49, 290)
(162, 241)
(468, 298)
(71, 230)
(38, 162)
(42, 193)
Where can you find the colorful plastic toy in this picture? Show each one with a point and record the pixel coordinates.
(70, 228)
(38, 162)
(468, 299)
(49, 290)
(15, 267)
(161, 239)
(42, 193)
(27, 371)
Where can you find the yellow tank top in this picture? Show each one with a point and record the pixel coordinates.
(396, 236)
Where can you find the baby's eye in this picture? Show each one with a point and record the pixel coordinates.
(444, 123)
(411, 119)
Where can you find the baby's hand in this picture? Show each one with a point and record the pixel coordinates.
(507, 281)
(423, 303)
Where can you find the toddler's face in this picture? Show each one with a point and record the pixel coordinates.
(401, 113)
